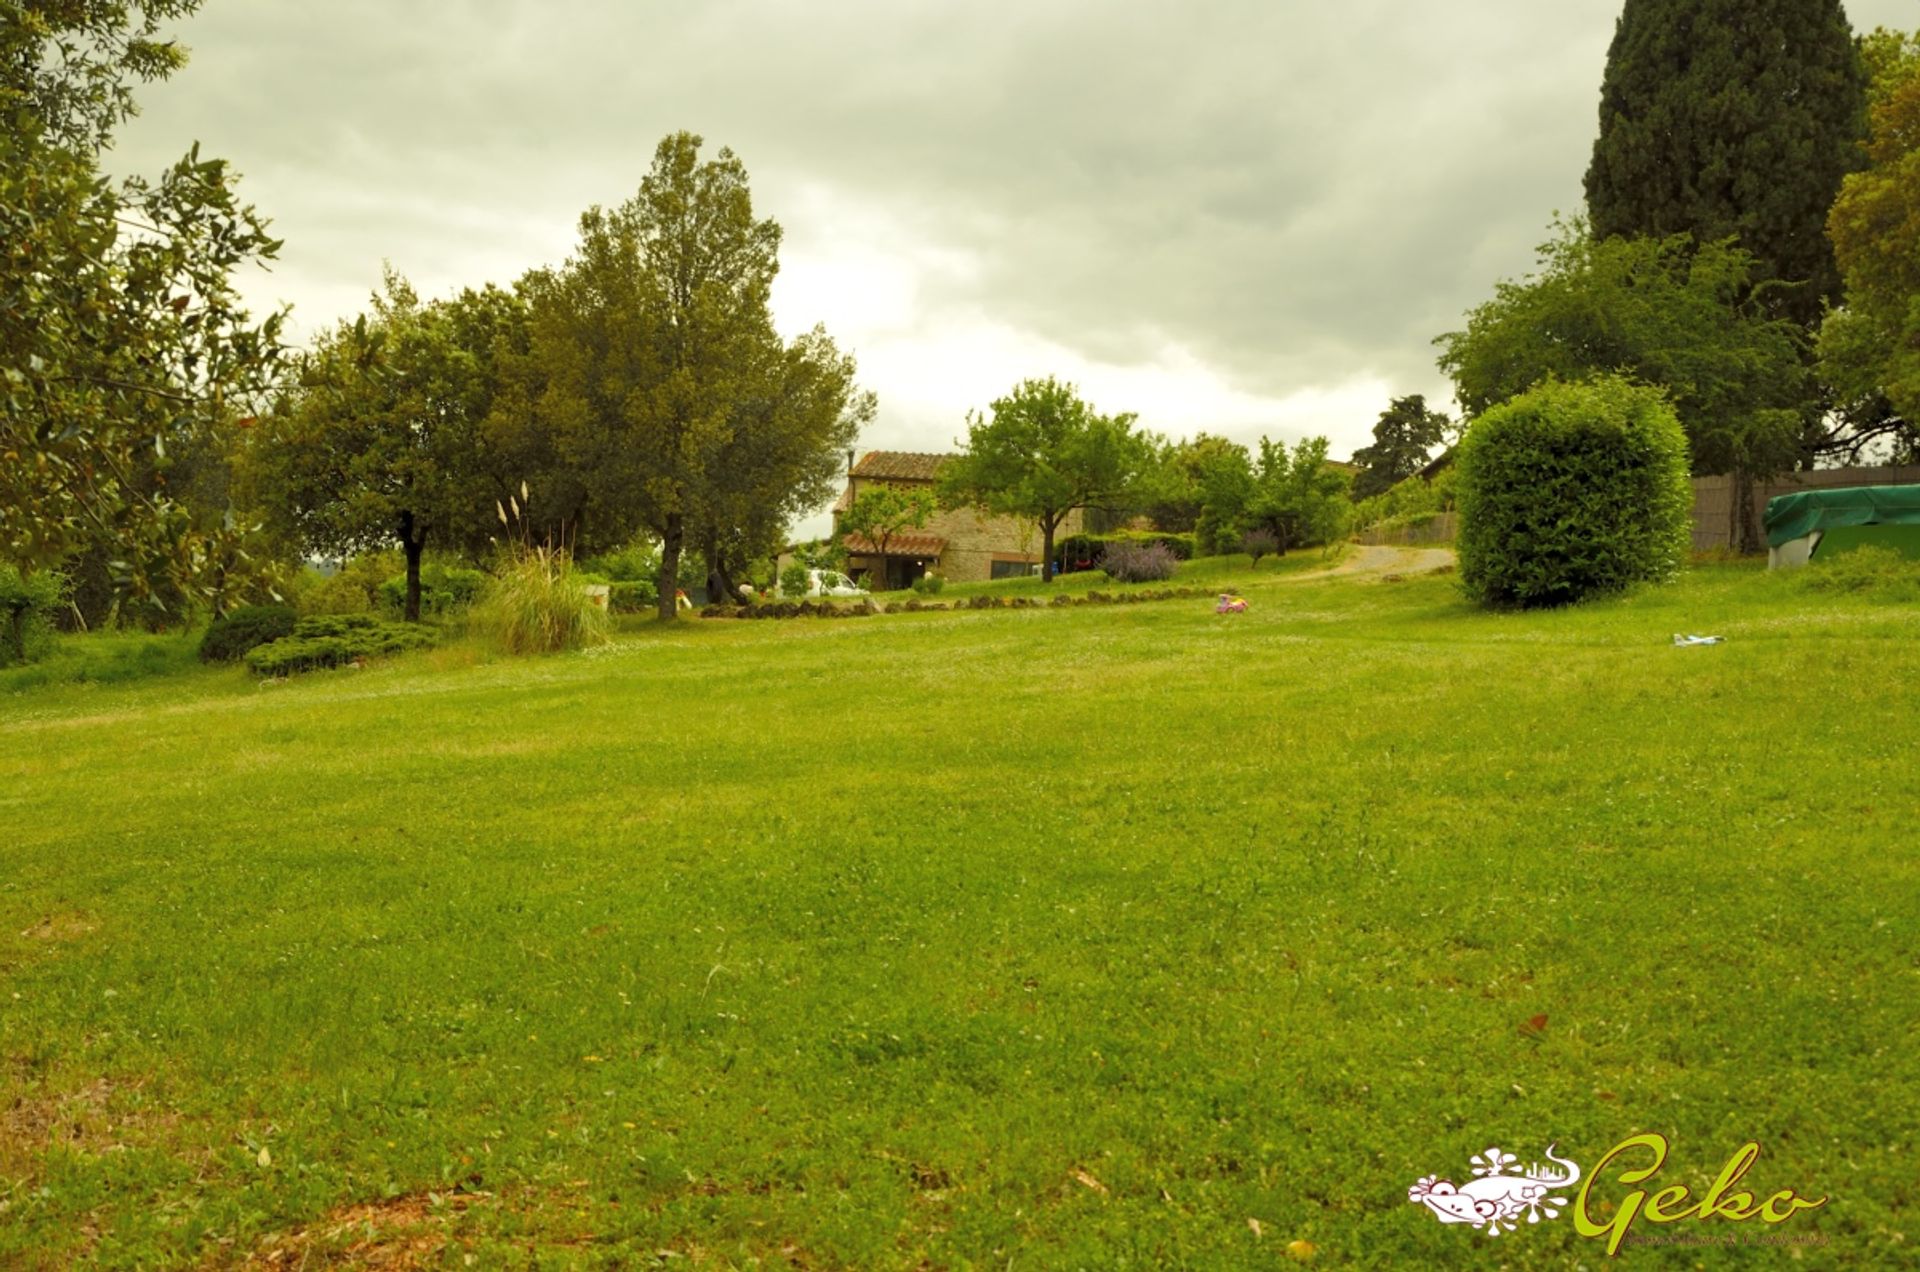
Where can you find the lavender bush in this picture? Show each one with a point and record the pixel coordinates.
(1133, 563)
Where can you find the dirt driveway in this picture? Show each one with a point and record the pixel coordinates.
(1387, 559)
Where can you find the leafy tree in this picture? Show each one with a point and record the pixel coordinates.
(673, 404)
(1175, 486)
(1297, 496)
(1259, 543)
(882, 513)
(798, 416)
(25, 599)
(1665, 312)
(121, 338)
(1732, 118)
(1040, 454)
(1403, 441)
(383, 440)
(1870, 350)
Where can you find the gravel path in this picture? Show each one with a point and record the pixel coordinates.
(1387, 559)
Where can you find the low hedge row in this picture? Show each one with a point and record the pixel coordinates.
(335, 640)
(1077, 549)
(914, 605)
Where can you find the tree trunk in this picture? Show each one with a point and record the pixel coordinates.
(17, 634)
(721, 588)
(1047, 527)
(670, 544)
(882, 582)
(411, 542)
(1740, 536)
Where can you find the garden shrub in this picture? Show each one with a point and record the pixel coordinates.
(243, 629)
(354, 588)
(632, 596)
(538, 604)
(1572, 490)
(1408, 501)
(1259, 543)
(1086, 551)
(1139, 563)
(1872, 570)
(28, 603)
(443, 590)
(793, 580)
(929, 584)
(335, 640)
(637, 562)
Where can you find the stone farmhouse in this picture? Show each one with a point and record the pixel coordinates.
(961, 544)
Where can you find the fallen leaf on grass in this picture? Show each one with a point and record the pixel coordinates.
(1302, 1250)
(1089, 1181)
(1534, 1025)
(1258, 1231)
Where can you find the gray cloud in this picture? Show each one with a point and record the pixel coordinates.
(1299, 194)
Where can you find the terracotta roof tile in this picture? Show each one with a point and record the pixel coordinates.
(899, 466)
(900, 545)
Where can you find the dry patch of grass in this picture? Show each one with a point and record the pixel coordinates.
(409, 1231)
(57, 929)
(105, 1115)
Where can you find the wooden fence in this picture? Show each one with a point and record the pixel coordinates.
(1713, 497)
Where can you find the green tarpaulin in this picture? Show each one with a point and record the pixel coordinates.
(1795, 516)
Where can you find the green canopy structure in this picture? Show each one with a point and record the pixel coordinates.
(1819, 523)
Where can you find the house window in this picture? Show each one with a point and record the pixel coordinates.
(1009, 569)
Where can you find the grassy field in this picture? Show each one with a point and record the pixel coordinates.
(1129, 936)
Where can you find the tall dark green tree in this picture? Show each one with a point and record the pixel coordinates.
(673, 405)
(1723, 118)
(1403, 441)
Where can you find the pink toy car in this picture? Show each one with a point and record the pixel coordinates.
(1230, 605)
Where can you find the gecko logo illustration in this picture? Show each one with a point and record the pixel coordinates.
(1495, 1200)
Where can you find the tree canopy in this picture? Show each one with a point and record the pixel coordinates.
(121, 337)
(385, 442)
(1042, 452)
(1183, 477)
(1403, 441)
(674, 405)
(1297, 495)
(1870, 349)
(1732, 119)
(1667, 312)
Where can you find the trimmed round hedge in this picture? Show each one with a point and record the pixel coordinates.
(1570, 491)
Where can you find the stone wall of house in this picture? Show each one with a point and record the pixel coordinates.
(975, 539)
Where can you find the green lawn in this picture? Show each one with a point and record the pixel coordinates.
(1030, 938)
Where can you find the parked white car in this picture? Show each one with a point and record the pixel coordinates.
(832, 583)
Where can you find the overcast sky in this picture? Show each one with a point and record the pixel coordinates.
(1233, 216)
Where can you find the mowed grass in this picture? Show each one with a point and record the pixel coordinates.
(1031, 938)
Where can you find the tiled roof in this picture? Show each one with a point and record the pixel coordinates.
(900, 545)
(899, 466)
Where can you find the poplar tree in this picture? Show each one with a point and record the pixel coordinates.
(1723, 118)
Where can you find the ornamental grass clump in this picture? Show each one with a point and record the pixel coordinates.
(537, 603)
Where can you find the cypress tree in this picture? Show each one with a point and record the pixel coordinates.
(1732, 117)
